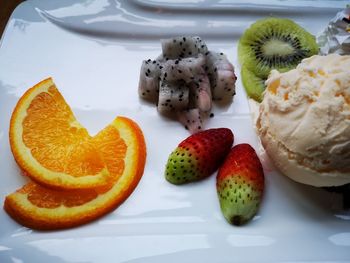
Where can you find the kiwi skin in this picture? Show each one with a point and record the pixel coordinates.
(275, 31)
(253, 84)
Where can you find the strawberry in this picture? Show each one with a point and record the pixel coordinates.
(240, 184)
(198, 156)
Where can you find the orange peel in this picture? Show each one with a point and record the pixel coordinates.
(50, 145)
(38, 207)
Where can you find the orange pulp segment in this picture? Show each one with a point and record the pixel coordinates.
(50, 145)
(38, 207)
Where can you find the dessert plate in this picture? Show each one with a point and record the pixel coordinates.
(93, 50)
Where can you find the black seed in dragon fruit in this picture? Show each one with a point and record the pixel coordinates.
(183, 47)
(172, 97)
(184, 69)
(200, 93)
(184, 80)
(149, 80)
(201, 46)
(191, 119)
(222, 76)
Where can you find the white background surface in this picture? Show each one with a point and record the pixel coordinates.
(93, 49)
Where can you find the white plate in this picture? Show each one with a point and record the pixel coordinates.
(93, 49)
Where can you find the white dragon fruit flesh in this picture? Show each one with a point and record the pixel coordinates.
(191, 119)
(185, 69)
(183, 47)
(222, 76)
(149, 80)
(185, 79)
(200, 93)
(172, 96)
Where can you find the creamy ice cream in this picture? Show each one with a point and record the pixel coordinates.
(304, 121)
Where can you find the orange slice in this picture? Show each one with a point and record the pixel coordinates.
(42, 208)
(50, 145)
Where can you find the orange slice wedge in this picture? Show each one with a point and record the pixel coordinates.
(123, 149)
(50, 145)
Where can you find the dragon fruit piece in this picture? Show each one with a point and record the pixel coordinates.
(149, 80)
(222, 76)
(202, 47)
(185, 69)
(200, 93)
(172, 97)
(182, 47)
(191, 119)
(184, 80)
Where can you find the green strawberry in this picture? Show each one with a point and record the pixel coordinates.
(198, 156)
(240, 184)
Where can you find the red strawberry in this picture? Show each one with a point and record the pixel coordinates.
(198, 156)
(240, 184)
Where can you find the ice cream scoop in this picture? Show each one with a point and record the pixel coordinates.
(304, 121)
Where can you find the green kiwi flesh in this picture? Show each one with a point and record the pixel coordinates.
(272, 43)
(253, 84)
(275, 43)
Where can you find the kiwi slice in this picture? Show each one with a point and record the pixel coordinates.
(253, 84)
(272, 43)
(275, 43)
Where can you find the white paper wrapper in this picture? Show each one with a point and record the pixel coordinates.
(336, 37)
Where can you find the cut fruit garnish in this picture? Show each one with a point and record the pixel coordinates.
(185, 79)
(272, 43)
(50, 145)
(123, 149)
(275, 43)
(253, 84)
